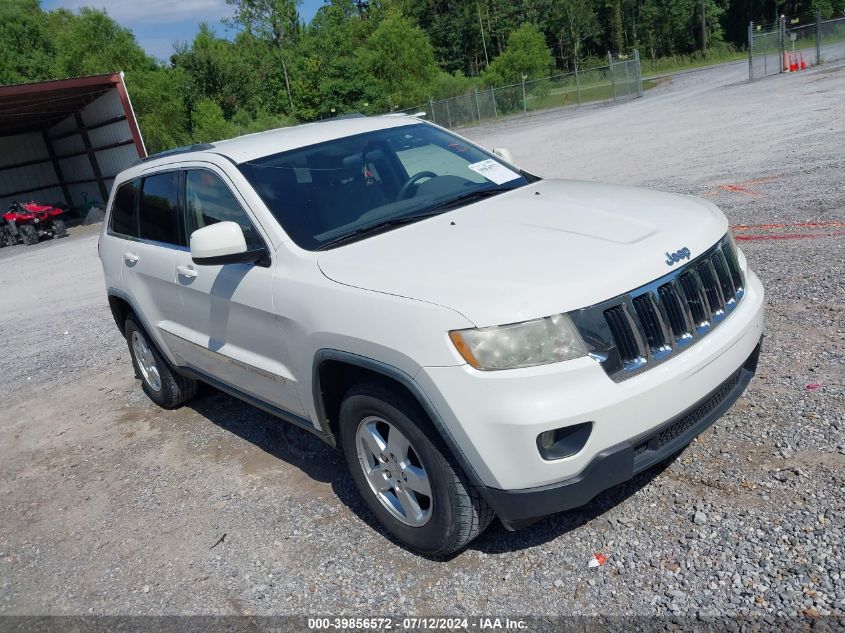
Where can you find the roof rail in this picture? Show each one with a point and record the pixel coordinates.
(197, 147)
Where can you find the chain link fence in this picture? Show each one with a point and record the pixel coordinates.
(794, 43)
(620, 80)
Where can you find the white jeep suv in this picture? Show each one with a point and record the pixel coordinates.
(479, 342)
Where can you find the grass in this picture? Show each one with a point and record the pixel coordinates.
(677, 63)
(590, 93)
(595, 85)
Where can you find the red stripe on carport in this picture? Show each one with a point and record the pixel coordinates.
(123, 94)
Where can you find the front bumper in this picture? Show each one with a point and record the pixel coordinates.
(618, 464)
(494, 418)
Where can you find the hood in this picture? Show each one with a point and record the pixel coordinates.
(546, 248)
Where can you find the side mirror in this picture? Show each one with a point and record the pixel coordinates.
(504, 153)
(221, 243)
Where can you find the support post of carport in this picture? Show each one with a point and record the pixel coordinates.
(57, 167)
(92, 157)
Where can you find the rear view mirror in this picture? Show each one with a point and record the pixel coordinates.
(221, 243)
(504, 153)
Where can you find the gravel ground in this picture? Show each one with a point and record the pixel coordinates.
(109, 505)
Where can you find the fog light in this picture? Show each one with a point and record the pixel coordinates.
(564, 442)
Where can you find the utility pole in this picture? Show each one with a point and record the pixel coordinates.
(703, 27)
(483, 41)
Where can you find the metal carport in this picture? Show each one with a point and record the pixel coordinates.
(66, 140)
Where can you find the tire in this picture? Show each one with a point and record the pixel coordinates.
(5, 237)
(59, 229)
(162, 385)
(29, 234)
(455, 511)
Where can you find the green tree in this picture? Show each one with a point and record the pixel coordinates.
(827, 7)
(455, 31)
(157, 97)
(526, 57)
(275, 21)
(216, 69)
(26, 50)
(329, 73)
(90, 42)
(400, 58)
(616, 28)
(573, 22)
(673, 27)
(447, 85)
(245, 123)
(209, 124)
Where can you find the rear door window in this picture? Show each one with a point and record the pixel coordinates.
(123, 220)
(158, 218)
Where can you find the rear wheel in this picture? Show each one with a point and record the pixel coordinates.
(405, 472)
(163, 385)
(29, 235)
(59, 229)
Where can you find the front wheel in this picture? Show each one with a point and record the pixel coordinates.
(405, 472)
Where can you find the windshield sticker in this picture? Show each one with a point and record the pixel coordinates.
(494, 171)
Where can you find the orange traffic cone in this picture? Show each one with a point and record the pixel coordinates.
(794, 63)
(803, 63)
(786, 64)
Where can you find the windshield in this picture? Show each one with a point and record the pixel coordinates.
(350, 188)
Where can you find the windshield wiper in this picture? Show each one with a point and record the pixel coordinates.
(372, 229)
(437, 209)
(466, 199)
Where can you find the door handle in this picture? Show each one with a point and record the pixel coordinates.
(186, 271)
(130, 258)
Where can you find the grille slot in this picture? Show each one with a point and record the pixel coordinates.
(671, 302)
(651, 322)
(623, 333)
(707, 273)
(694, 296)
(733, 264)
(724, 275)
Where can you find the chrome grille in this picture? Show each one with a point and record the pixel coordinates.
(640, 329)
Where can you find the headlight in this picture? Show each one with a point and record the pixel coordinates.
(526, 344)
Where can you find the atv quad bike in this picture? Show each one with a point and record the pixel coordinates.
(29, 221)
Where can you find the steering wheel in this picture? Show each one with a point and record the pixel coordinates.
(403, 192)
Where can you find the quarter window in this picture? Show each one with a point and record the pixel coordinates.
(157, 216)
(123, 219)
(209, 200)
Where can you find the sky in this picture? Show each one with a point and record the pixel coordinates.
(157, 24)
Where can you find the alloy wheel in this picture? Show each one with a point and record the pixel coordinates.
(394, 471)
(146, 361)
